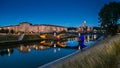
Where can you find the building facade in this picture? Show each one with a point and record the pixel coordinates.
(38, 28)
(84, 28)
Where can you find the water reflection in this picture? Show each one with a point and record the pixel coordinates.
(46, 44)
(26, 49)
(33, 55)
(62, 42)
(89, 38)
(6, 52)
(56, 50)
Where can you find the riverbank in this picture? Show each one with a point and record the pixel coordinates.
(8, 39)
(18, 42)
(104, 54)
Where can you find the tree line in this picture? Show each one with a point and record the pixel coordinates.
(109, 17)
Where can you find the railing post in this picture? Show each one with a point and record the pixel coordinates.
(79, 34)
(79, 47)
(54, 34)
(54, 45)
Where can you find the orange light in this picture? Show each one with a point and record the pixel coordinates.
(58, 37)
(21, 48)
(42, 42)
(62, 45)
(43, 36)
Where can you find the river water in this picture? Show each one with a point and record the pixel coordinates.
(33, 55)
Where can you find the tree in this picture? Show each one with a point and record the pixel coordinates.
(97, 28)
(109, 16)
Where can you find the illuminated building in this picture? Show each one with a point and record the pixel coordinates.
(38, 28)
(83, 27)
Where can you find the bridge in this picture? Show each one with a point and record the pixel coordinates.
(59, 35)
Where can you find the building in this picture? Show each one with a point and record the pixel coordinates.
(84, 24)
(83, 27)
(38, 28)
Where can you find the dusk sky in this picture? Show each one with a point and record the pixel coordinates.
(69, 13)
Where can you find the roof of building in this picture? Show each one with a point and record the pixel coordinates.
(34, 25)
(25, 23)
(47, 25)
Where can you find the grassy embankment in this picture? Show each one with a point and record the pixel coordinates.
(13, 39)
(31, 37)
(105, 54)
(4, 38)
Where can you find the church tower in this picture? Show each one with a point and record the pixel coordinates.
(84, 24)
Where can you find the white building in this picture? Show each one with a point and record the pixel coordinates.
(38, 28)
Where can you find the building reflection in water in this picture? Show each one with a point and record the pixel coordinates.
(62, 42)
(56, 50)
(24, 49)
(45, 44)
(89, 38)
(27, 48)
(7, 51)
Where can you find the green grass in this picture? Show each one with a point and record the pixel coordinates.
(103, 55)
(31, 37)
(8, 37)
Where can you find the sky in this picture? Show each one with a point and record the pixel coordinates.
(68, 13)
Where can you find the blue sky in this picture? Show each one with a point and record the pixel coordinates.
(69, 13)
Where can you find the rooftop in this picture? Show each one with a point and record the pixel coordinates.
(33, 25)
